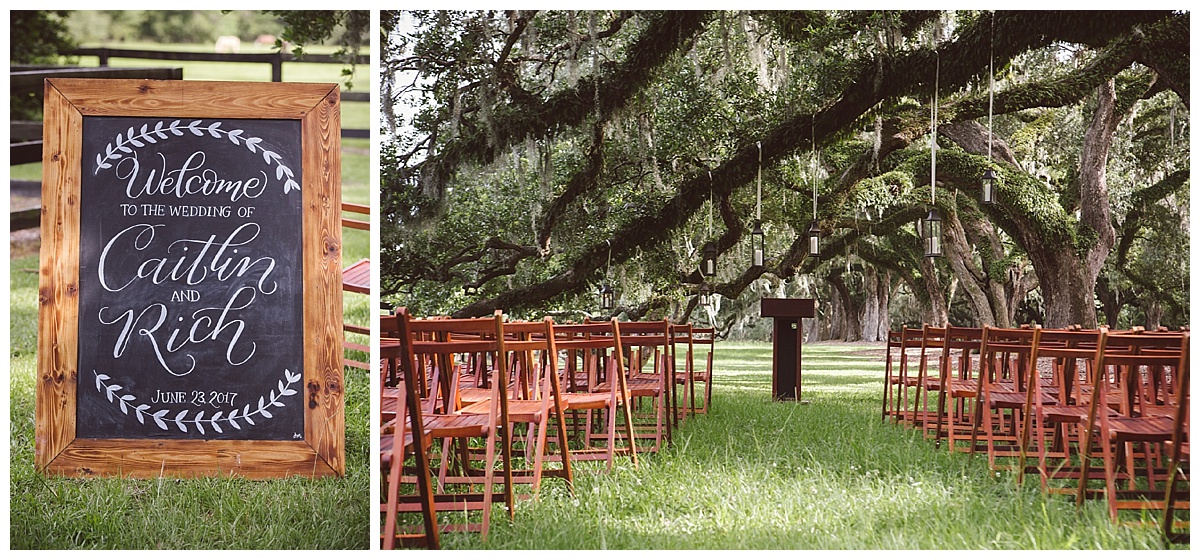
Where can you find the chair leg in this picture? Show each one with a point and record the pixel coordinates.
(488, 482)
(539, 452)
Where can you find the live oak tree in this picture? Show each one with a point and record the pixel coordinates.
(533, 155)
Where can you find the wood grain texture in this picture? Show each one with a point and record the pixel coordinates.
(139, 458)
(57, 450)
(196, 99)
(58, 293)
(324, 381)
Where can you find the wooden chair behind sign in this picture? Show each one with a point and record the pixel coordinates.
(356, 278)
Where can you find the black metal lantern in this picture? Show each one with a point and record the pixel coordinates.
(758, 241)
(931, 234)
(705, 295)
(814, 240)
(606, 296)
(708, 266)
(988, 184)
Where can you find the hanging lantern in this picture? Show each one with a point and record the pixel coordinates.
(708, 266)
(758, 242)
(705, 295)
(814, 240)
(931, 234)
(757, 237)
(606, 296)
(988, 184)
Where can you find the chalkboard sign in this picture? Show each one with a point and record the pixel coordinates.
(190, 319)
(189, 263)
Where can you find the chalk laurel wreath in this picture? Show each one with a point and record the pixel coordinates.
(164, 420)
(139, 139)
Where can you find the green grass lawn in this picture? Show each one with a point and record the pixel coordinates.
(757, 474)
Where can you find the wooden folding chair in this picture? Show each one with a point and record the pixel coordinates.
(891, 376)
(1060, 363)
(527, 352)
(653, 404)
(1125, 419)
(1001, 392)
(929, 378)
(684, 376)
(405, 420)
(911, 342)
(959, 383)
(461, 485)
(1178, 468)
(599, 405)
(356, 279)
(704, 341)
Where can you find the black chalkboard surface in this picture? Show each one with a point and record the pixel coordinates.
(190, 279)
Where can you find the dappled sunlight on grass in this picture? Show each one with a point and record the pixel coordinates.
(759, 474)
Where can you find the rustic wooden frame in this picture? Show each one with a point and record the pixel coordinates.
(57, 450)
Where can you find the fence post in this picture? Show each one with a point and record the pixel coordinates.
(277, 67)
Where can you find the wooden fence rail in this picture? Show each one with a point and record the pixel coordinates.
(25, 137)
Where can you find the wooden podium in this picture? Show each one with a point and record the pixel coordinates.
(786, 337)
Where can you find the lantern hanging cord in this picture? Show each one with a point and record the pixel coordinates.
(813, 178)
(711, 203)
(608, 268)
(933, 133)
(758, 207)
(991, 79)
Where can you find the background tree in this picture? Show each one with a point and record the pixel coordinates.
(35, 37)
(531, 155)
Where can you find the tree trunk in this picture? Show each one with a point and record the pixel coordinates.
(1065, 291)
(1068, 281)
(937, 314)
(1154, 315)
(871, 313)
(850, 327)
(1111, 301)
(884, 288)
(962, 260)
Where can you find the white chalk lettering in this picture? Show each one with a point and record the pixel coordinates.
(189, 178)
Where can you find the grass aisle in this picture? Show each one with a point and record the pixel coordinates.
(829, 475)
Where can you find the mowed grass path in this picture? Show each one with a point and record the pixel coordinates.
(756, 474)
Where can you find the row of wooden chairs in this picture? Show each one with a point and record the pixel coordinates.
(532, 394)
(1094, 413)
